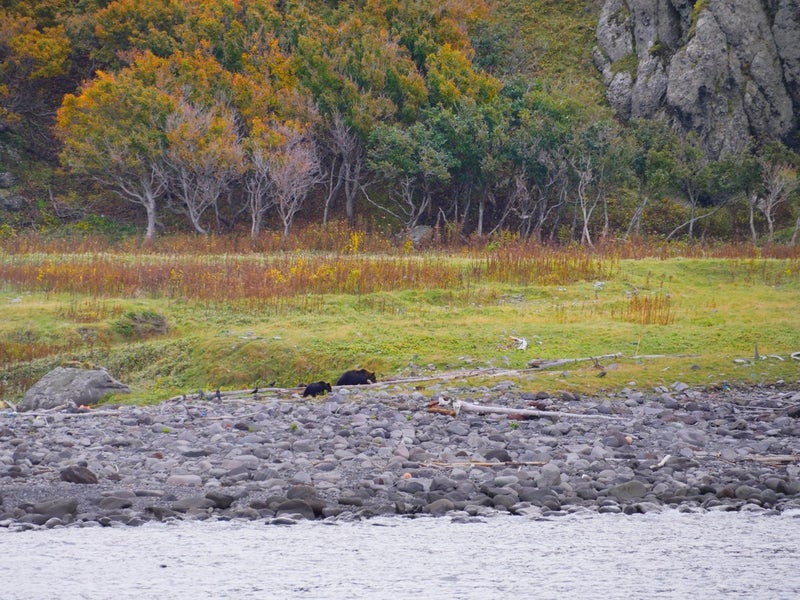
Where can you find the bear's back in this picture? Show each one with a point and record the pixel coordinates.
(356, 377)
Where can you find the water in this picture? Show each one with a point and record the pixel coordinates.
(669, 555)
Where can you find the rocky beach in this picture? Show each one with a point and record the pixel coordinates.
(389, 449)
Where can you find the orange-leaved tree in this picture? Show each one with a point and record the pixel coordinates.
(115, 131)
(205, 153)
(31, 58)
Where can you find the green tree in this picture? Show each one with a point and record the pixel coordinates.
(32, 58)
(423, 26)
(414, 161)
(651, 158)
(475, 136)
(127, 27)
(737, 177)
(593, 154)
(357, 76)
(539, 139)
(695, 177)
(451, 78)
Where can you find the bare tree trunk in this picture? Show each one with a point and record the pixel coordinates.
(464, 215)
(780, 181)
(693, 220)
(752, 199)
(258, 189)
(150, 233)
(334, 173)
(293, 171)
(346, 147)
(635, 223)
(585, 177)
(351, 187)
(143, 188)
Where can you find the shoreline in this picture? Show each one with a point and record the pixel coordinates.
(378, 450)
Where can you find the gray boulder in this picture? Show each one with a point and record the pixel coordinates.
(68, 385)
(630, 490)
(6, 179)
(11, 202)
(78, 474)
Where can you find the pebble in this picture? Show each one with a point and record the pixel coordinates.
(366, 451)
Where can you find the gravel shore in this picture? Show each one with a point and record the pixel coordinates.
(370, 450)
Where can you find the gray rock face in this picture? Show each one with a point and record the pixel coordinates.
(65, 385)
(729, 69)
(785, 31)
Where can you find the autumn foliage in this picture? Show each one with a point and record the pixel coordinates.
(244, 115)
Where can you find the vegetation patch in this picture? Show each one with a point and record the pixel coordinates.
(667, 313)
(627, 64)
(140, 325)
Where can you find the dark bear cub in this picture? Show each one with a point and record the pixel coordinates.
(356, 377)
(317, 388)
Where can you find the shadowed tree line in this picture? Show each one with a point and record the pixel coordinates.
(247, 113)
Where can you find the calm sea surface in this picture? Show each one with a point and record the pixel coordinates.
(670, 555)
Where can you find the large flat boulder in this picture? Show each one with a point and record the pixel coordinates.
(67, 385)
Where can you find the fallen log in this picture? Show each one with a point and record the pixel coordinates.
(433, 408)
(233, 394)
(557, 362)
(653, 356)
(461, 374)
(84, 413)
(768, 459)
(661, 463)
(775, 459)
(461, 406)
(483, 463)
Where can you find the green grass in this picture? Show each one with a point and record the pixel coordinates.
(717, 310)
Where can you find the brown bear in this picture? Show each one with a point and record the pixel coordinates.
(356, 377)
(317, 388)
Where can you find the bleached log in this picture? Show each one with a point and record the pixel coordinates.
(772, 459)
(661, 463)
(88, 413)
(482, 463)
(461, 406)
(233, 394)
(652, 356)
(557, 362)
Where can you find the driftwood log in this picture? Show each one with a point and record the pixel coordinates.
(460, 406)
(775, 459)
(485, 463)
(541, 363)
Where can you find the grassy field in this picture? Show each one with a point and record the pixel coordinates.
(167, 322)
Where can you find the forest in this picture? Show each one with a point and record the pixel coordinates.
(472, 117)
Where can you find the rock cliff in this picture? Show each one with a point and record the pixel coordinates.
(727, 69)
